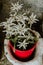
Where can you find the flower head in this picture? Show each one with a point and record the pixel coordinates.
(30, 36)
(23, 44)
(16, 7)
(8, 26)
(21, 18)
(19, 29)
(32, 19)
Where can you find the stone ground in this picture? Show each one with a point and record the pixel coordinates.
(4, 61)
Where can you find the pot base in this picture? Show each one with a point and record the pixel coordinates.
(23, 60)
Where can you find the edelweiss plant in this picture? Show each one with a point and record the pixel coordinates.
(18, 25)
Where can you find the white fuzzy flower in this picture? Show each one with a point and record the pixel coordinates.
(32, 19)
(21, 18)
(16, 7)
(19, 29)
(9, 31)
(23, 44)
(8, 26)
(9, 22)
(29, 36)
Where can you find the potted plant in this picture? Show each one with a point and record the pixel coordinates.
(22, 39)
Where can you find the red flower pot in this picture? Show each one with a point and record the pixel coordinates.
(22, 54)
